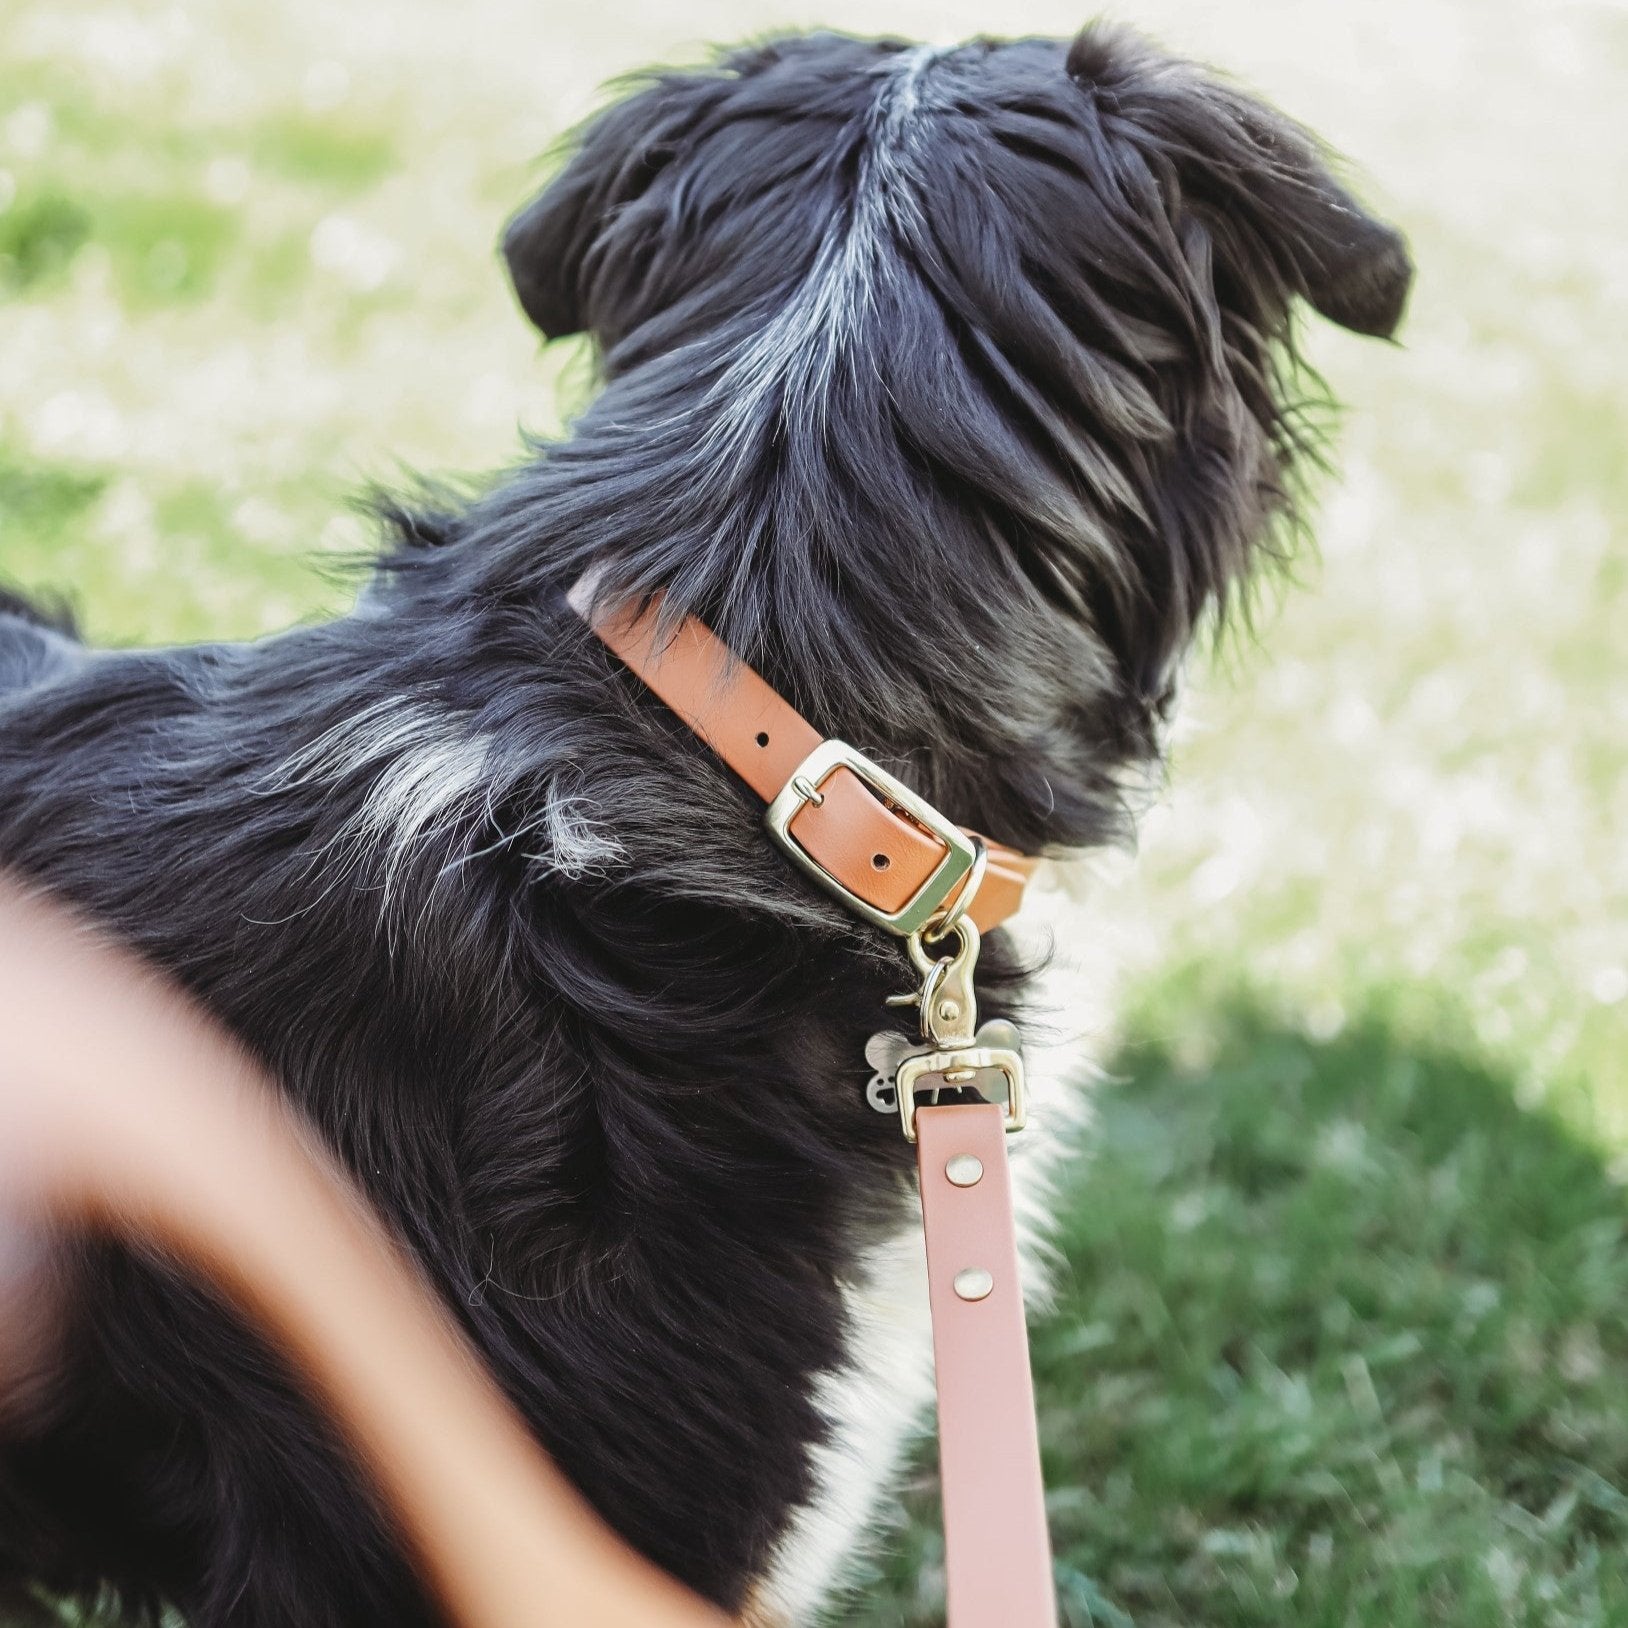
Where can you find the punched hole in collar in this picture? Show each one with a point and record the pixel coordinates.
(880, 861)
(763, 737)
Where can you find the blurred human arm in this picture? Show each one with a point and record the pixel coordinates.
(124, 1108)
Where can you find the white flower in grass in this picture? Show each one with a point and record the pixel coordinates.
(261, 521)
(357, 254)
(79, 424)
(125, 519)
(326, 85)
(28, 129)
(1609, 985)
(226, 181)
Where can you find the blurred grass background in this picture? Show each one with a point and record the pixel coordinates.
(1342, 1334)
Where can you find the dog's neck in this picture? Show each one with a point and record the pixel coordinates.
(886, 610)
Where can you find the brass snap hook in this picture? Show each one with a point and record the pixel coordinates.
(949, 1006)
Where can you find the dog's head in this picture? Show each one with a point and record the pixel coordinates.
(986, 343)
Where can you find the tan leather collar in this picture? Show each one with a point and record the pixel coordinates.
(887, 854)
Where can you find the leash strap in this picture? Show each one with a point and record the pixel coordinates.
(897, 862)
(997, 1555)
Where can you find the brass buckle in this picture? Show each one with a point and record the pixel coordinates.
(960, 852)
(958, 1067)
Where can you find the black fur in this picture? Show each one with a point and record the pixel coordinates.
(950, 387)
(39, 641)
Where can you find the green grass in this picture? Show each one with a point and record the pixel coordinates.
(39, 501)
(39, 236)
(1340, 1329)
(162, 246)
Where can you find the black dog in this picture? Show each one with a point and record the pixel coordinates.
(954, 389)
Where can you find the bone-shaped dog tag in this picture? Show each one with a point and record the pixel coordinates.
(884, 1051)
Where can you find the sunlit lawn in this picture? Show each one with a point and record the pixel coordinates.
(1342, 1335)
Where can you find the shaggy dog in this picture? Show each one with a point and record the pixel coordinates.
(953, 388)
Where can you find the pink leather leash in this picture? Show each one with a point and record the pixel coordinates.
(897, 862)
(997, 1554)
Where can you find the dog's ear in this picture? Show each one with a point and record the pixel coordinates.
(1346, 262)
(542, 248)
(547, 243)
(550, 246)
(1265, 188)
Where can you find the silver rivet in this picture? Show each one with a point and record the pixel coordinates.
(949, 1010)
(974, 1283)
(965, 1170)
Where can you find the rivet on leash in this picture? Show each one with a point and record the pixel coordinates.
(965, 1170)
(974, 1283)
